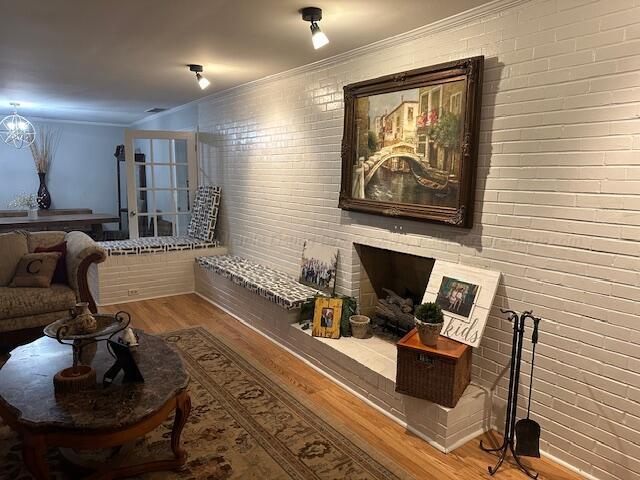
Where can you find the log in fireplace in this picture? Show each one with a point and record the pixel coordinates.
(392, 284)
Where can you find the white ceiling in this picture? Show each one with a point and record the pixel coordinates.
(111, 60)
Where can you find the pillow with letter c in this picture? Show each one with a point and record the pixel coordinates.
(35, 270)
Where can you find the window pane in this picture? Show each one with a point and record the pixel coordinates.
(164, 201)
(162, 176)
(180, 151)
(145, 226)
(161, 150)
(166, 225)
(183, 200)
(143, 175)
(142, 149)
(183, 223)
(182, 176)
(144, 201)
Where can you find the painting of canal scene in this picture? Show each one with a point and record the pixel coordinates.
(410, 151)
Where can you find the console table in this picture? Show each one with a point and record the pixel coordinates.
(97, 418)
(60, 221)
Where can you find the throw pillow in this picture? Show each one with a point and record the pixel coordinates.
(13, 246)
(204, 213)
(35, 270)
(60, 274)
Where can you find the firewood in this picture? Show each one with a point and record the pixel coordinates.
(406, 304)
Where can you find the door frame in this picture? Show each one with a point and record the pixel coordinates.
(129, 152)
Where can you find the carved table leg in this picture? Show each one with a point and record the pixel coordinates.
(34, 449)
(183, 409)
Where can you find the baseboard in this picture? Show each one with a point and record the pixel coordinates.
(387, 414)
(139, 299)
(554, 459)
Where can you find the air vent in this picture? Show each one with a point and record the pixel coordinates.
(156, 110)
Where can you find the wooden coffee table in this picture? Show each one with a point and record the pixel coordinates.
(98, 418)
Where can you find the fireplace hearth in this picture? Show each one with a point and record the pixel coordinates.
(392, 284)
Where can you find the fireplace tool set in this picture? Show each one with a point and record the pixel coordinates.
(526, 432)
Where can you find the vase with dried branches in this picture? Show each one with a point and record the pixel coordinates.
(42, 150)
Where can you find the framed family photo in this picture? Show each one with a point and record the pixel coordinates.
(326, 317)
(410, 143)
(457, 297)
(318, 267)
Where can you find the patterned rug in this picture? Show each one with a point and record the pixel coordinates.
(243, 425)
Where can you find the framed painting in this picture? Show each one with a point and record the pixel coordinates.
(326, 317)
(410, 143)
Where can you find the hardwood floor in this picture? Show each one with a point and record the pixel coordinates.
(412, 453)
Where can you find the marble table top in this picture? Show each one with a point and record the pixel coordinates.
(26, 386)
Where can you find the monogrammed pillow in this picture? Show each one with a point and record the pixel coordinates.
(35, 270)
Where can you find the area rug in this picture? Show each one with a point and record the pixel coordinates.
(244, 424)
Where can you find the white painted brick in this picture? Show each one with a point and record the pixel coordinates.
(557, 200)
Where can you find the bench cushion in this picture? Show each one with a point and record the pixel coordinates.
(275, 286)
(204, 213)
(155, 245)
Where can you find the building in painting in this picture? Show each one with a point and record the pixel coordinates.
(438, 103)
(400, 124)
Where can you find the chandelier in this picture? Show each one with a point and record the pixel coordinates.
(16, 130)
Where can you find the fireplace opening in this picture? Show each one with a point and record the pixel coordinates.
(392, 284)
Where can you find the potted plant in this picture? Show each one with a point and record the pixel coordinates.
(28, 201)
(429, 321)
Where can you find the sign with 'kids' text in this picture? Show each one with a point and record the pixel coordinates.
(465, 295)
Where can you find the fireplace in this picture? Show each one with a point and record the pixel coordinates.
(391, 285)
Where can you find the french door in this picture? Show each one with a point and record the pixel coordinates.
(161, 181)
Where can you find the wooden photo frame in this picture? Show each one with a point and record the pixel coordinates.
(410, 143)
(326, 317)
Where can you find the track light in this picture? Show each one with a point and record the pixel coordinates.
(202, 81)
(314, 15)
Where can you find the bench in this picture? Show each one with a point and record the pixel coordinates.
(152, 267)
(272, 285)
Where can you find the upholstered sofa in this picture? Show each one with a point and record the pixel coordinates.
(24, 311)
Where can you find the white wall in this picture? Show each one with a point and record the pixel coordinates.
(557, 201)
(82, 174)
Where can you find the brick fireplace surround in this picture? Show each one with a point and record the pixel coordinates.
(557, 201)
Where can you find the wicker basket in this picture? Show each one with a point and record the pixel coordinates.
(360, 326)
(439, 374)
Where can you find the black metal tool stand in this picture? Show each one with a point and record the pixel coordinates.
(512, 400)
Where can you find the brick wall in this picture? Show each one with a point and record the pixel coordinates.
(557, 202)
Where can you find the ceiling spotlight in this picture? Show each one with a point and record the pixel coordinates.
(202, 81)
(314, 15)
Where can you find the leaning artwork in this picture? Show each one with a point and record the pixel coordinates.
(318, 269)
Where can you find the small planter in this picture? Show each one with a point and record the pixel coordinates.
(428, 332)
(360, 326)
(32, 213)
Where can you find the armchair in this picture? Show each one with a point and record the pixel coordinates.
(24, 311)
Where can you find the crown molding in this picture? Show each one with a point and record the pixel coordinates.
(454, 21)
(37, 119)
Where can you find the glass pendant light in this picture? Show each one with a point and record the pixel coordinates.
(15, 130)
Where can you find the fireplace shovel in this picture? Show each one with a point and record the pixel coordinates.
(527, 430)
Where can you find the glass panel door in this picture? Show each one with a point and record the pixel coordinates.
(161, 172)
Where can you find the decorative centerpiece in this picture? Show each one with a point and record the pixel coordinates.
(81, 330)
(27, 201)
(42, 150)
(429, 321)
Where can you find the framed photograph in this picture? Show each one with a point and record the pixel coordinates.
(410, 143)
(318, 269)
(326, 317)
(465, 295)
(457, 297)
